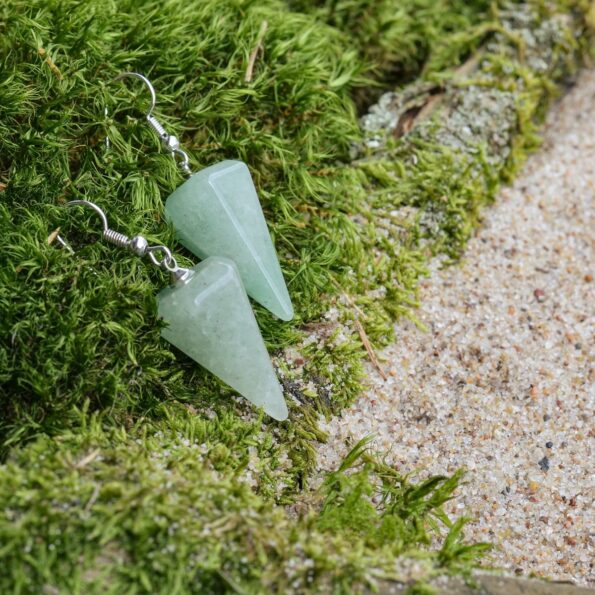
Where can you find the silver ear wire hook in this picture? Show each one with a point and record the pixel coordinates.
(148, 84)
(137, 244)
(170, 142)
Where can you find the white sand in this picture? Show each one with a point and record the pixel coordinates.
(507, 365)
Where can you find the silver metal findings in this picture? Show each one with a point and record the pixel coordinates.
(170, 142)
(160, 256)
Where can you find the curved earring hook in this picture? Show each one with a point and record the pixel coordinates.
(138, 244)
(148, 84)
(110, 235)
(93, 206)
(170, 143)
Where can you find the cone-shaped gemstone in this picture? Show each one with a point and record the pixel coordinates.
(217, 213)
(210, 319)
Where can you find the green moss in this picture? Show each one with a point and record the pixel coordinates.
(398, 40)
(147, 510)
(82, 364)
(79, 317)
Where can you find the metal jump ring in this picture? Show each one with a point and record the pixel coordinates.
(167, 262)
(183, 161)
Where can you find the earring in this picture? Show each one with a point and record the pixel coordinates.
(209, 318)
(216, 212)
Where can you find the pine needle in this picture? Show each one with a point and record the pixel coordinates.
(369, 349)
(258, 49)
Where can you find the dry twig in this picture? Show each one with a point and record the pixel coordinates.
(88, 459)
(370, 349)
(257, 49)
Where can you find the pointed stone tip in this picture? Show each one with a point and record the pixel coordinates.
(284, 312)
(277, 410)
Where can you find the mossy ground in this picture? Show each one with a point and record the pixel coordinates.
(128, 467)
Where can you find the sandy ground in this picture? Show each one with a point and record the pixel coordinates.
(501, 383)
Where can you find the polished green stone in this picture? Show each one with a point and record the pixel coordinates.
(217, 213)
(210, 319)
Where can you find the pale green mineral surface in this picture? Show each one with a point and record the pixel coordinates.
(210, 319)
(217, 213)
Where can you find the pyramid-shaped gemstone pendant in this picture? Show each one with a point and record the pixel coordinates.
(210, 319)
(217, 213)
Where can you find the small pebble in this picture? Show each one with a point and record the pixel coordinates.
(549, 444)
(539, 295)
(544, 464)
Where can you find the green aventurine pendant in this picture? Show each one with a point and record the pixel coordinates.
(210, 319)
(216, 212)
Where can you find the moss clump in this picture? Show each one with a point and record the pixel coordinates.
(432, 182)
(398, 40)
(146, 510)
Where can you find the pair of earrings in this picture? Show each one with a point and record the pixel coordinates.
(217, 216)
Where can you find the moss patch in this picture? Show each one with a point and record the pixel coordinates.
(97, 413)
(148, 510)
